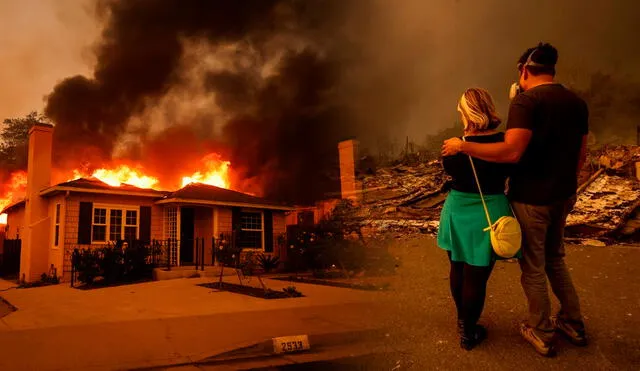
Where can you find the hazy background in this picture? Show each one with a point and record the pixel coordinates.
(434, 48)
(41, 42)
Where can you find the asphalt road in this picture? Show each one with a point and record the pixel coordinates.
(421, 314)
(368, 362)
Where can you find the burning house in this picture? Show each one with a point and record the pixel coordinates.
(53, 220)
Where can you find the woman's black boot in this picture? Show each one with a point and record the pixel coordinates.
(472, 336)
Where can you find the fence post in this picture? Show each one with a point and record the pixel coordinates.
(168, 246)
(202, 257)
(74, 261)
(152, 246)
(197, 253)
(213, 251)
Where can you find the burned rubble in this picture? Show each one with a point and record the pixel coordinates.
(407, 199)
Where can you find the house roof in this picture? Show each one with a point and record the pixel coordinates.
(93, 185)
(13, 206)
(203, 194)
(194, 193)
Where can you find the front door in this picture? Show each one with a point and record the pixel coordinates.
(186, 235)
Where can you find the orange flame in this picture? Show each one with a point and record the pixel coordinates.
(121, 174)
(215, 172)
(212, 171)
(14, 191)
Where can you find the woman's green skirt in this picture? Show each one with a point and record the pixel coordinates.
(462, 224)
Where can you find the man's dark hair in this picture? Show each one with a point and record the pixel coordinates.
(545, 57)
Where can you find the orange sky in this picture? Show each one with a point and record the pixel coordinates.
(445, 45)
(41, 42)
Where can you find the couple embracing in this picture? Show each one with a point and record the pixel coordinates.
(529, 172)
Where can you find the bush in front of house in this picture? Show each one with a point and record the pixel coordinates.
(268, 262)
(114, 263)
(333, 244)
(324, 247)
(87, 264)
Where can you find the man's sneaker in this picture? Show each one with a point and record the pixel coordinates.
(573, 331)
(544, 348)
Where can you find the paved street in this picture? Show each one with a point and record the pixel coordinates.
(421, 313)
(160, 324)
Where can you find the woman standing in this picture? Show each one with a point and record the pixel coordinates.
(462, 222)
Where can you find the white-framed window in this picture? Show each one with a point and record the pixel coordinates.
(56, 228)
(113, 223)
(251, 230)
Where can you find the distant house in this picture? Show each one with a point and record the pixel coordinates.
(54, 220)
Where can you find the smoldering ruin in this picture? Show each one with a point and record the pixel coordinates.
(406, 198)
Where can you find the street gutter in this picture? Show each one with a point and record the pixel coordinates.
(264, 350)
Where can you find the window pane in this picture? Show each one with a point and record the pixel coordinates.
(131, 217)
(57, 214)
(99, 233)
(251, 221)
(57, 235)
(115, 225)
(130, 233)
(99, 216)
(250, 239)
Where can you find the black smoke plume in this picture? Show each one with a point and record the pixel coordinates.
(282, 129)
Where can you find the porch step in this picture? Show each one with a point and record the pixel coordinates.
(160, 274)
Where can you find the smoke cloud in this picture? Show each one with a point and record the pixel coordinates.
(273, 85)
(258, 78)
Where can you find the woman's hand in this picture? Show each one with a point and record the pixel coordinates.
(452, 146)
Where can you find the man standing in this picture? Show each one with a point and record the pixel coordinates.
(546, 138)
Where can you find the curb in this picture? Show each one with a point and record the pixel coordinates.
(318, 341)
(265, 349)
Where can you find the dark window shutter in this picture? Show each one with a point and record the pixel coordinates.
(235, 225)
(84, 223)
(145, 223)
(268, 231)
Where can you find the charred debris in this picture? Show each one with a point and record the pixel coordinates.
(406, 198)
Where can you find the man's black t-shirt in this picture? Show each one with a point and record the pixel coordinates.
(558, 119)
(492, 175)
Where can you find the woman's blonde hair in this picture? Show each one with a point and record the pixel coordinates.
(478, 110)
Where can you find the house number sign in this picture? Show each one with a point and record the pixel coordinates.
(291, 344)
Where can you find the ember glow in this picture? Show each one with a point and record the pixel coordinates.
(215, 172)
(211, 170)
(121, 174)
(13, 192)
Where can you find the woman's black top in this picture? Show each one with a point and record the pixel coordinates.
(492, 175)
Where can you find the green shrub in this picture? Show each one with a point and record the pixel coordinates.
(88, 265)
(114, 263)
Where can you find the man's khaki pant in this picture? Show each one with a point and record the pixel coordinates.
(543, 257)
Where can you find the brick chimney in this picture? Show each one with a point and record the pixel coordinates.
(34, 256)
(349, 186)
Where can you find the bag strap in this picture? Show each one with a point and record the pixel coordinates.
(484, 204)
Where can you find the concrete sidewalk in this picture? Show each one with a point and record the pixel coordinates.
(167, 341)
(6, 285)
(163, 323)
(61, 305)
